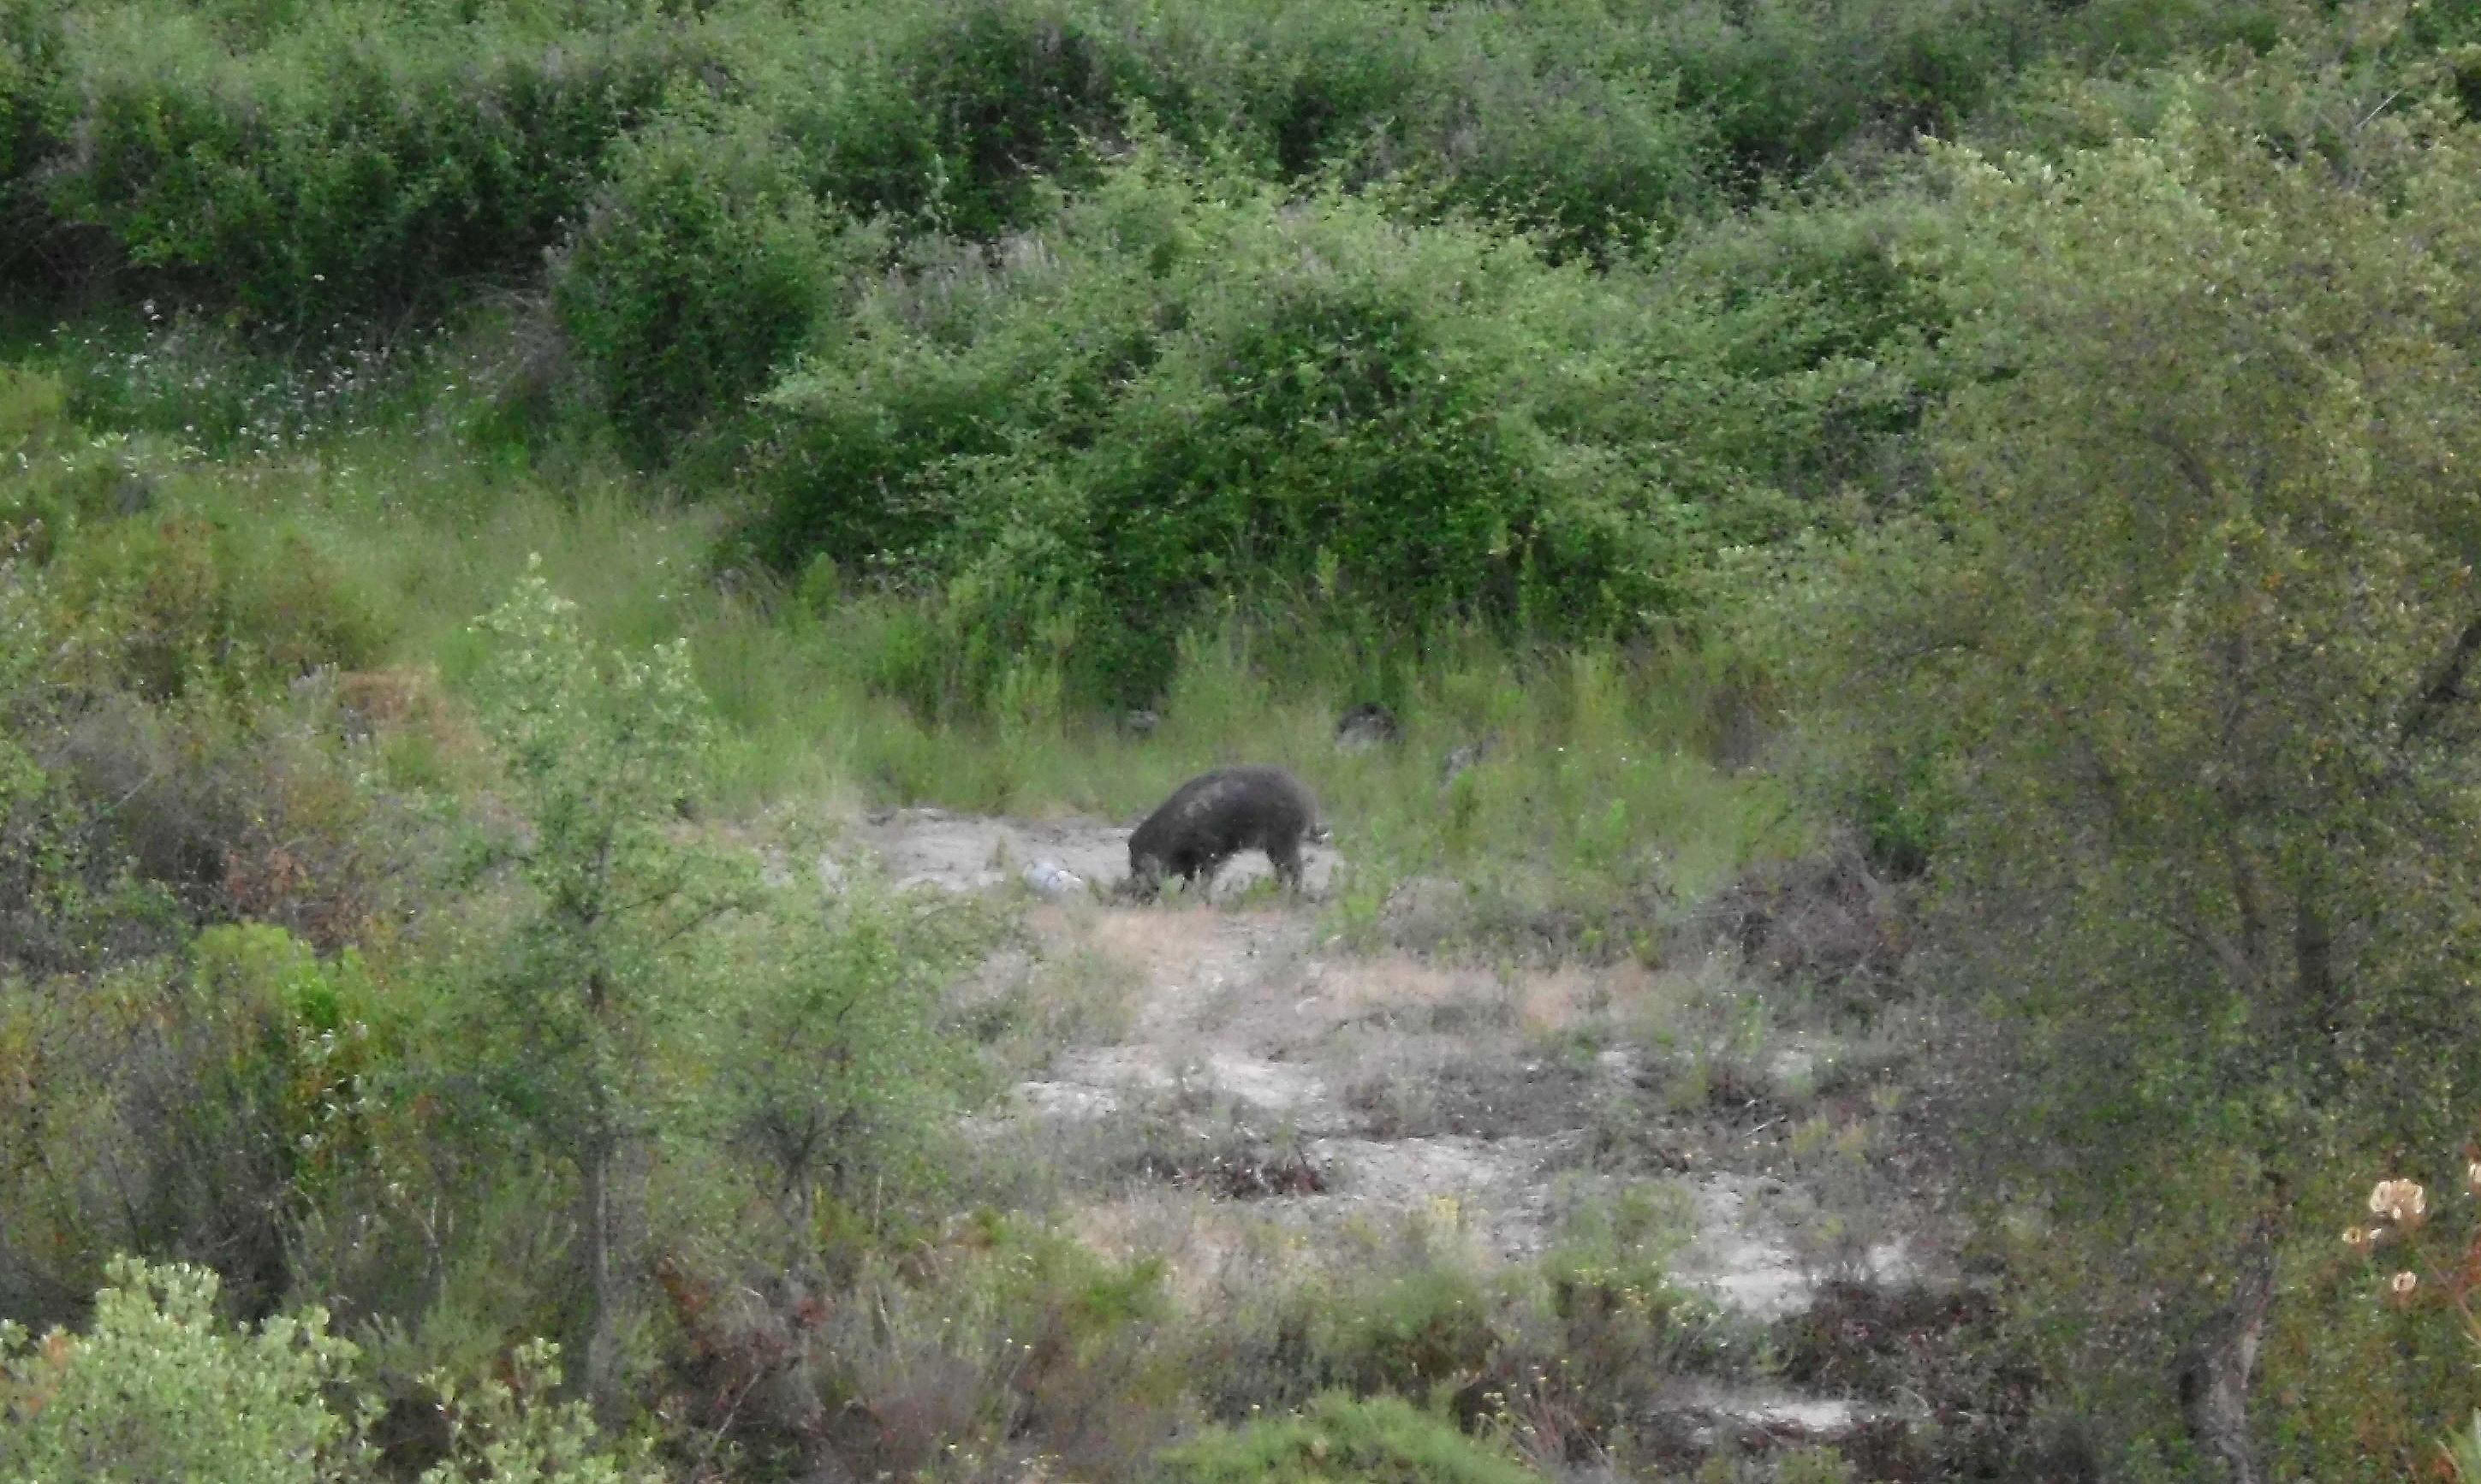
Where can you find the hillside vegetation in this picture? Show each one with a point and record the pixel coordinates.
(1943, 527)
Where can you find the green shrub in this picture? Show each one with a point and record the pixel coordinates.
(137, 796)
(66, 899)
(162, 604)
(1004, 1336)
(601, 963)
(1437, 1324)
(190, 1110)
(159, 1390)
(832, 1080)
(513, 1431)
(356, 157)
(30, 59)
(1559, 117)
(1786, 82)
(1338, 1440)
(1186, 392)
(702, 266)
(61, 476)
(967, 107)
(1178, 395)
(1304, 88)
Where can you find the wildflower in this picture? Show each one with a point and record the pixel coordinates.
(2402, 1200)
(2400, 1286)
(2473, 1177)
(2359, 1238)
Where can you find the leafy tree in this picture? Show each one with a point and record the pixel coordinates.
(2191, 627)
(600, 751)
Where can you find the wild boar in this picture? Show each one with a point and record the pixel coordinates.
(1215, 816)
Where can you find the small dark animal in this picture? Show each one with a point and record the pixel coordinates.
(1215, 816)
(1367, 725)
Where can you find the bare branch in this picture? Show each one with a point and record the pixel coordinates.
(2444, 690)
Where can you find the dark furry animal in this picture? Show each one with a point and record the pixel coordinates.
(1215, 816)
(1367, 725)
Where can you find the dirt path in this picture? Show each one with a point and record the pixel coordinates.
(1345, 1093)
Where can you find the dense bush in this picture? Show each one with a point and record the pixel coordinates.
(357, 158)
(1562, 119)
(1788, 81)
(2187, 627)
(160, 1390)
(157, 1388)
(966, 108)
(190, 1110)
(1183, 391)
(30, 58)
(167, 602)
(702, 266)
(152, 779)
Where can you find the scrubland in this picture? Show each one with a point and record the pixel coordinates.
(559, 561)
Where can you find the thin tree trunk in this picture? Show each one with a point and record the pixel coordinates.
(2215, 1370)
(2313, 949)
(603, 1337)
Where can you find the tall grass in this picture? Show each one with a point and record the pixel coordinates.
(1590, 767)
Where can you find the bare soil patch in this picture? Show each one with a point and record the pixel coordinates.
(1266, 1098)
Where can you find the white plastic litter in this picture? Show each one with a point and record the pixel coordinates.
(1050, 878)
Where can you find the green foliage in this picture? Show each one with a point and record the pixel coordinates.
(160, 604)
(832, 1078)
(702, 266)
(307, 1075)
(969, 108)
(1185, 391)
(357, 157)
(600, 752)
(1786, 82)
(1562, 118)
(303, 160)
(2187, 628)
(61, 476)
(152, 600)
(512, 1432)
(30, 57)
(159, 1389)
(1432, 1326)
(597, 761)
(963, 1350)
(1335, 1439)
(49, 875)
(1816, 1466)
(194, 1110)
